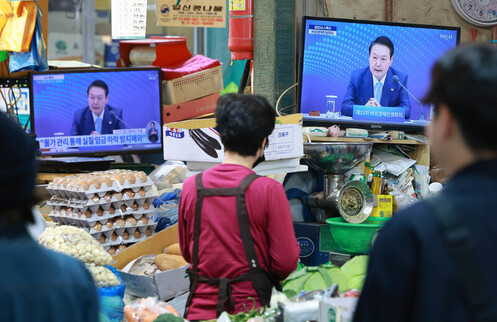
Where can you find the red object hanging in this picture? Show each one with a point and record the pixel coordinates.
(241, 30)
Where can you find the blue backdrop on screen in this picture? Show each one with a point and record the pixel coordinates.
(331, 56)
(137, 93)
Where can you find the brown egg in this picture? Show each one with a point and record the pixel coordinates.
(131, 220)
(137, 234)
(85, 184)
(118, 195)
(129, 193)
(121, 247)
(141, 192)
(145, 205)
(142, 176)
(134, 206)
(120, 178)
(113, 236)
(148, 232)
(112, 250)
(130, 177)
(107, 197)
(120, 222)
(102, 239)
(123, 208)
(95, 198)
(98, 226)
(107, 181)
(112, 210)
(125, 235)
(100, 211)
(88, 213)
(97, 181)
(144, 220)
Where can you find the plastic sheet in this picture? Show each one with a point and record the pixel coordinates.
(18, 30)
(35, 58)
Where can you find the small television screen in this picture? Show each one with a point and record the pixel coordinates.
(15, 98)
(97, 111)
(369, 74)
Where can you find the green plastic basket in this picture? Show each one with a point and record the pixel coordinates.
(355, 238)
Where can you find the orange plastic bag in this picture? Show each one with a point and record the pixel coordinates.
(18, 29)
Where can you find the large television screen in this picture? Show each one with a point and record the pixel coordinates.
(369, 74)
(97, 111)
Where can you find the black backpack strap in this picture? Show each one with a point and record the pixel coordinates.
(460, 243)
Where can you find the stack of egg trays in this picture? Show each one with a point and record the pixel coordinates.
(70, 206)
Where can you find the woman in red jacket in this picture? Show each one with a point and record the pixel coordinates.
(235, 228)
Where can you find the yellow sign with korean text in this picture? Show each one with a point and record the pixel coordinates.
(237, 5)
(191, 13)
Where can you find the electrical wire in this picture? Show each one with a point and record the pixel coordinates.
(281, 96)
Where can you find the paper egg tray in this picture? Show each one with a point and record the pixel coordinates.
(79, 193)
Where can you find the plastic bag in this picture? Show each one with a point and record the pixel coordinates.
(35, 58)
(166, 209)
(111, 300)
(168, 173)
(19, 28)
(147, 309)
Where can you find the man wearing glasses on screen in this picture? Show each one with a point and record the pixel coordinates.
(376, 85)
(98, 117)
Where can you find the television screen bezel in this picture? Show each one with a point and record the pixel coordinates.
(94, 70)
(357, 124)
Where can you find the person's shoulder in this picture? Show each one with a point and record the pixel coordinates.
(81, 111)
(413, 218)
(267, 182)
(359, 73)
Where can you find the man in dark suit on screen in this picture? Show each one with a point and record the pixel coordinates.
(373, 85)
(98, 117)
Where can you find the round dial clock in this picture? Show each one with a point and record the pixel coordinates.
(482, 13)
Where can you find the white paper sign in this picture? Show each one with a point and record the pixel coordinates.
(129, 19)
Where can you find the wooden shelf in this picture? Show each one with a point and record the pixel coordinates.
(333, 139)
(421, 153)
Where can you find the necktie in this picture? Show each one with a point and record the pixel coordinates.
(377, 91)
(98, 125)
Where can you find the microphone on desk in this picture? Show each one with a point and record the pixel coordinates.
(395, 79)
(112, 113)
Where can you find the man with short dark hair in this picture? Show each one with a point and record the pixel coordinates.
(235, 228)
(374, 85)
(415, 272)
(36, 284)
(98, 117)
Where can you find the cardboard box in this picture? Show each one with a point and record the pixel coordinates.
(190, 109)
(382, 206)
(285, 142)
(308, 237)
(165, 285)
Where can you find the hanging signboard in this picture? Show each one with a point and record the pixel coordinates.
(191, 13)
(129, 19)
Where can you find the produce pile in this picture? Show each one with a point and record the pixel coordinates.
(349, 277)
(78, 243)
(115, 206)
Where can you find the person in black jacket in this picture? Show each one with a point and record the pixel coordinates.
(412, 276)
(36, 284)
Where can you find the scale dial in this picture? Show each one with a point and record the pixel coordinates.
(482, 13)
